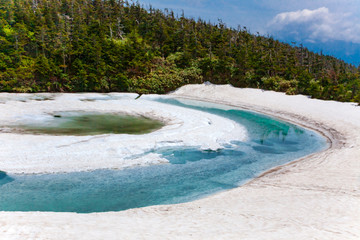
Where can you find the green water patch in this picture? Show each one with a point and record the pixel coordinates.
(82, 123)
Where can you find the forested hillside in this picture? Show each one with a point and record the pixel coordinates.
(113, 45)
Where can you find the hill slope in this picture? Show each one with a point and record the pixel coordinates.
(113, 45)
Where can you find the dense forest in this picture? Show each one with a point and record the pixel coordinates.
(115, 45)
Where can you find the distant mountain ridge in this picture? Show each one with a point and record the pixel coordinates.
(114, 45)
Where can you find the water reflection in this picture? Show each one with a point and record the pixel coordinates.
(264, 129)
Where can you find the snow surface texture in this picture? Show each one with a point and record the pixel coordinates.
(317, 197)
(31, 153)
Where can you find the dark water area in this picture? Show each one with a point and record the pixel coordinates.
(192, 173)
(82, 123)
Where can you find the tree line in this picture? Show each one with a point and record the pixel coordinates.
(115, 45)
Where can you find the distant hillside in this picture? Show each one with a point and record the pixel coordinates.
(113, 45)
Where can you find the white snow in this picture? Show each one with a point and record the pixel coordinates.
(317, 197)
(26, 153)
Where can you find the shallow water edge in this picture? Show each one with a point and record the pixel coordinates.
(192, 173)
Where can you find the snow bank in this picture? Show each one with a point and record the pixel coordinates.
(26, 153)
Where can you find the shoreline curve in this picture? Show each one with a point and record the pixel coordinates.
(333, 138)
(316, 197)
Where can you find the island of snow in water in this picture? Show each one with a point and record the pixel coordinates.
(34, 153)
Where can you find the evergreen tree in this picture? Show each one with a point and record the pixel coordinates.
(114, 45)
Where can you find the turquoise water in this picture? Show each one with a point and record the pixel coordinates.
(191, 174)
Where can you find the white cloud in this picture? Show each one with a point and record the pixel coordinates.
(317, 25)
(302, 15)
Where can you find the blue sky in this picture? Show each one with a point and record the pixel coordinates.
(332, 26)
